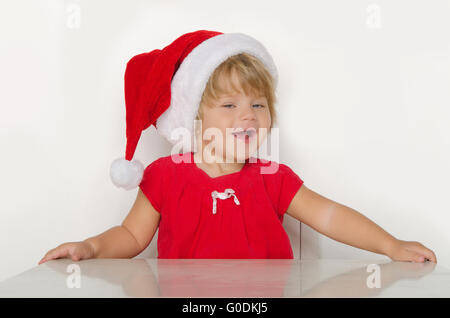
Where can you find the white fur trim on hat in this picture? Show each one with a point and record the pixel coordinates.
(126, 174)
(190, 80)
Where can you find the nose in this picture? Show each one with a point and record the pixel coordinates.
(248, 113)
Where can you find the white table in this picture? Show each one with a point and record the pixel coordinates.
(229, 278)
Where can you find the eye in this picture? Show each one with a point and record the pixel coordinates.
(226, 106)
(261, 106)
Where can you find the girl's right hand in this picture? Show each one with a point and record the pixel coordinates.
(75, 250)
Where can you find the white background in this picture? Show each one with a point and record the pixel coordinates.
(364, 112)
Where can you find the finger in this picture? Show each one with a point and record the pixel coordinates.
(418, 258)
(42, 260)
(427, 253)
(45, 258)
(432, 257)
(415, 257)
(427, 257)
(57, 253)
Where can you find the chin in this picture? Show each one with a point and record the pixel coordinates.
(240, 156)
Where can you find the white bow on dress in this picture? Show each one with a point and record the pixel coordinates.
(223, 195)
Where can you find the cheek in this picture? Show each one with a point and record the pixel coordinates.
(264, 119)
(215, 127)
(219, 119)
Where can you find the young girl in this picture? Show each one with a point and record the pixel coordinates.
(211, 201)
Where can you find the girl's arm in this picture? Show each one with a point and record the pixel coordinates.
(130, 238)
(124, 241)
(348, 226)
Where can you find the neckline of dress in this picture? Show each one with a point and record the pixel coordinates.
(194, 165)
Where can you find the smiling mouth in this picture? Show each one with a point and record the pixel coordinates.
(245, 135)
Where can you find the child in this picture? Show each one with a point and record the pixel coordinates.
(217, 208)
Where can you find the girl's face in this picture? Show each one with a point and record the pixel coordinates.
(226, 118)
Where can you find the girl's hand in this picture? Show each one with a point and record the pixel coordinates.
(408, 251)
(74, 250)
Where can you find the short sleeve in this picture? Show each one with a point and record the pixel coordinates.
(152, 184)
(281, 187)
(290, 183)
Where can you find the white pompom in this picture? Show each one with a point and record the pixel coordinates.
(126, 174)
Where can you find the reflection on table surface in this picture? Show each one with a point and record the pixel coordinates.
(229, 278)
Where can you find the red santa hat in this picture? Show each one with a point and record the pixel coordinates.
(164, 88)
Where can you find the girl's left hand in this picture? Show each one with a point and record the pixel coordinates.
(411, 251)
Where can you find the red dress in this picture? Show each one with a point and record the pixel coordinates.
(238, 215)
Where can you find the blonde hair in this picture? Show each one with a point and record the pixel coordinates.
(254, 78)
